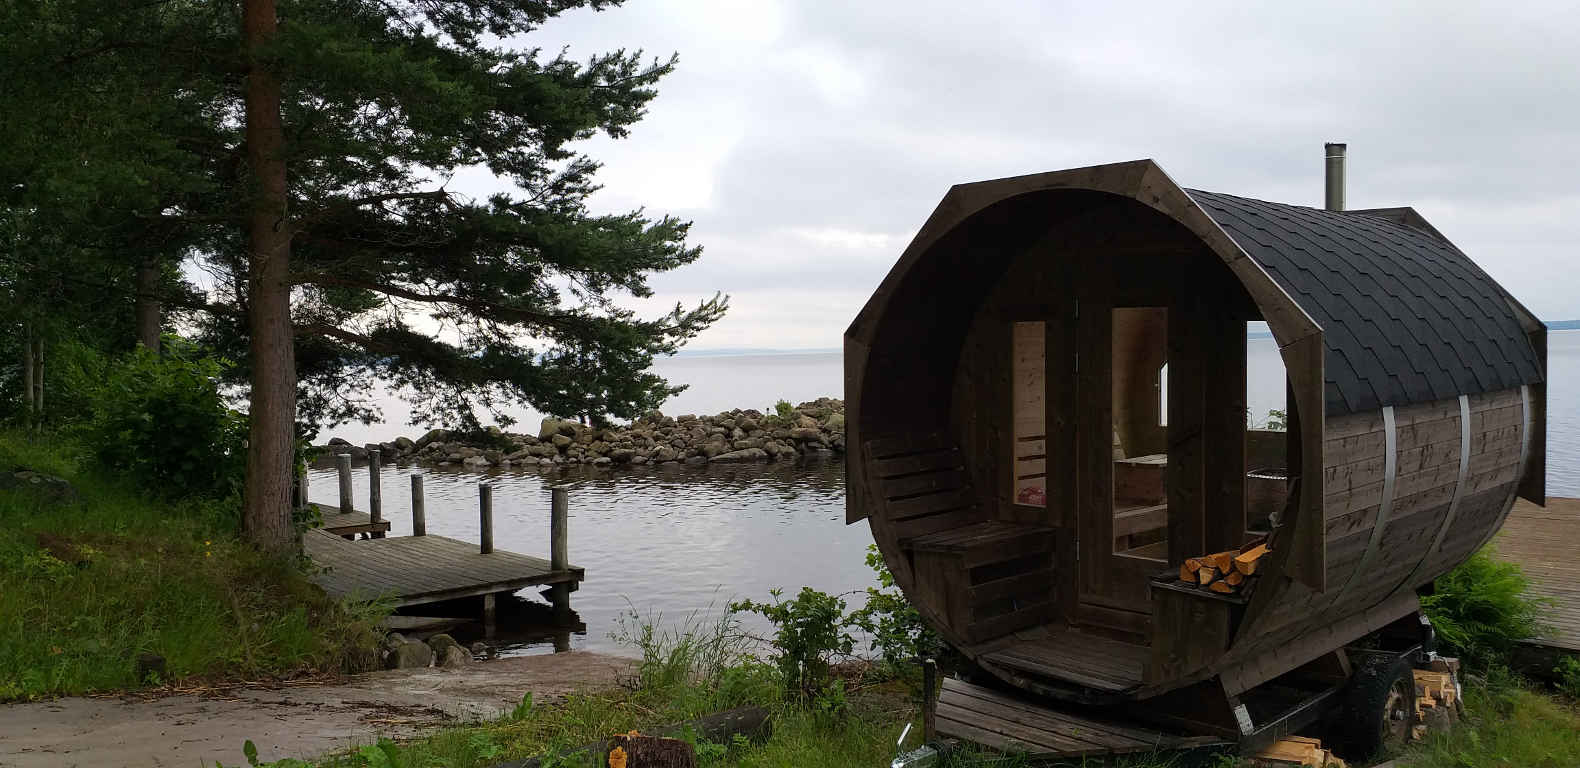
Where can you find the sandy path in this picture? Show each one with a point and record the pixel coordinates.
(298, 721)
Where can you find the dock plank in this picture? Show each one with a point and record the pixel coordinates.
(1544, 543)
(349, 523)
(412, 570)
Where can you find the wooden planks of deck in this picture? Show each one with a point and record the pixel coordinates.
(412, 570)
(350, 523)
(1012, 724)
(1062, 653)
(1545, 543)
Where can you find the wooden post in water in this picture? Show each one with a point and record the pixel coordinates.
(419, 521)
(485, 509)
(559, 545)
(343, 463)
(375, 493)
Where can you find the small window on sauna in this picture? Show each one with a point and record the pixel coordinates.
(1030, 470)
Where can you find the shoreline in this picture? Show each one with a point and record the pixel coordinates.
(812, 428)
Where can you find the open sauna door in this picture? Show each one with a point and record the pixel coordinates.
(1121, 513)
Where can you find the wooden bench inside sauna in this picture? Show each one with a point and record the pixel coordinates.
(1049, 403)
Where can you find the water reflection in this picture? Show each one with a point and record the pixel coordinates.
(670, 540)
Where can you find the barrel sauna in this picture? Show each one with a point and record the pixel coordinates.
(1046, 414)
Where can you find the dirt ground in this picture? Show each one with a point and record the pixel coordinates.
(301, 721)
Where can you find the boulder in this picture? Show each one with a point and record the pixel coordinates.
(339, 441)
(805, 422)
(405, 444)
(411, 654)
(433, 435)
(454, 657)
(696, 459)
(748, 424)
(440, 642)
(602, 461)
(748, 454)
(475, 461)
(806, 433)
(51, 488)
(714, 448)
(552, 427)
(561, 441)
(622, 455)
(835, 423)
(665, 453)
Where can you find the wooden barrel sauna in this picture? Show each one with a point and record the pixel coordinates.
(1046, 408)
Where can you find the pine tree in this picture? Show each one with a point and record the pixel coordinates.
(301, 153)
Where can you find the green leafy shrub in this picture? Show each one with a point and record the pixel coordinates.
(1481, 609)
(1567, 677)
(808, 631)
(163, 422)
(899, 633)
(784, 410)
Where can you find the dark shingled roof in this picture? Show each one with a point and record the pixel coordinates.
(1406, 317)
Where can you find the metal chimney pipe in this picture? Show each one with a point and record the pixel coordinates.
(1333, 200)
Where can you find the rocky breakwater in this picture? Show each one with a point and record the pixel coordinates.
(811, 428)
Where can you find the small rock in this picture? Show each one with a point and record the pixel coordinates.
(806, 433)
(442, 641)
(150, 667)
(696, 459)
(561, 441)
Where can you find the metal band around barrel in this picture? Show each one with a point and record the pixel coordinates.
(1385, 506)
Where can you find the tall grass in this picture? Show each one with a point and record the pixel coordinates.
(88, 587)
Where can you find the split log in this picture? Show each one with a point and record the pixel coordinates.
(1221, 587)
(1234, 578)
(636, 751)
(1223, 561)
(1245, 562)
(1206, 575)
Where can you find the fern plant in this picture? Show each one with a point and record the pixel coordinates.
(1481, 609)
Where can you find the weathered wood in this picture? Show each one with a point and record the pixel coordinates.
(1223, 429)
(375, 491)
(1188, 363)
(419, 508)
(343, 464)
(559, 544)
(485, 512)
(413, 570)
(1187, 634)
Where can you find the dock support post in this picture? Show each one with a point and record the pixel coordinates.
(559, 546)
(343, 463)
(929, 700)
(485, 509)
(419, 514)
(375, 493)
(301, 490)
(489, 609)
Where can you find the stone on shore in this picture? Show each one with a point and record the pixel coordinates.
(412, 654)
(745, 454)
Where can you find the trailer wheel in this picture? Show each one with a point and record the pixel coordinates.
(1380, 708)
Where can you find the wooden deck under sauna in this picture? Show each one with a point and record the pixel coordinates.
(413, 570)
(1545, 543)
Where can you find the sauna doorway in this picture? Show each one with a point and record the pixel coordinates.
(1122, 512)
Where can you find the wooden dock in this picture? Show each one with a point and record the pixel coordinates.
(349, 523)
(1545, 543)
(413, 570)
(420, 569)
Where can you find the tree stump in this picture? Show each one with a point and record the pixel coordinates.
(650, 752)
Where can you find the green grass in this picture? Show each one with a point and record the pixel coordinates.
(1510, 724)
(85, 588)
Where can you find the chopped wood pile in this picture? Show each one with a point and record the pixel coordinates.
(1293, 751)
(1228, 572)
(1436, 698)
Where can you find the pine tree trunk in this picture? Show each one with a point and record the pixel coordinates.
(27, 370)
(148, 309)
(266, 517)
(38, 376)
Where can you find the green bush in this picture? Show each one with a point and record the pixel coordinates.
(1567, 675)
(1481, 609)
(162, 421)
(899, 633)
(808, 631)
(784, 410)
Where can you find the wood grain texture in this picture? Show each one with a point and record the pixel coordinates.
(412, 570)
(1545, 543)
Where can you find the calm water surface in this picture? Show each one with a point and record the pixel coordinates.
(678, 540)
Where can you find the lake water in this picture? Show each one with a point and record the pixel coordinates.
(678, 540)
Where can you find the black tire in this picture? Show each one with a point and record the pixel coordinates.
(1379, 708)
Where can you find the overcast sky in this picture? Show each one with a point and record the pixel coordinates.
(809, 140)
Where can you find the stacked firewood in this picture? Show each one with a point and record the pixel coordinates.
(1226, 572)
(1436, 698)
(1296, 752)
